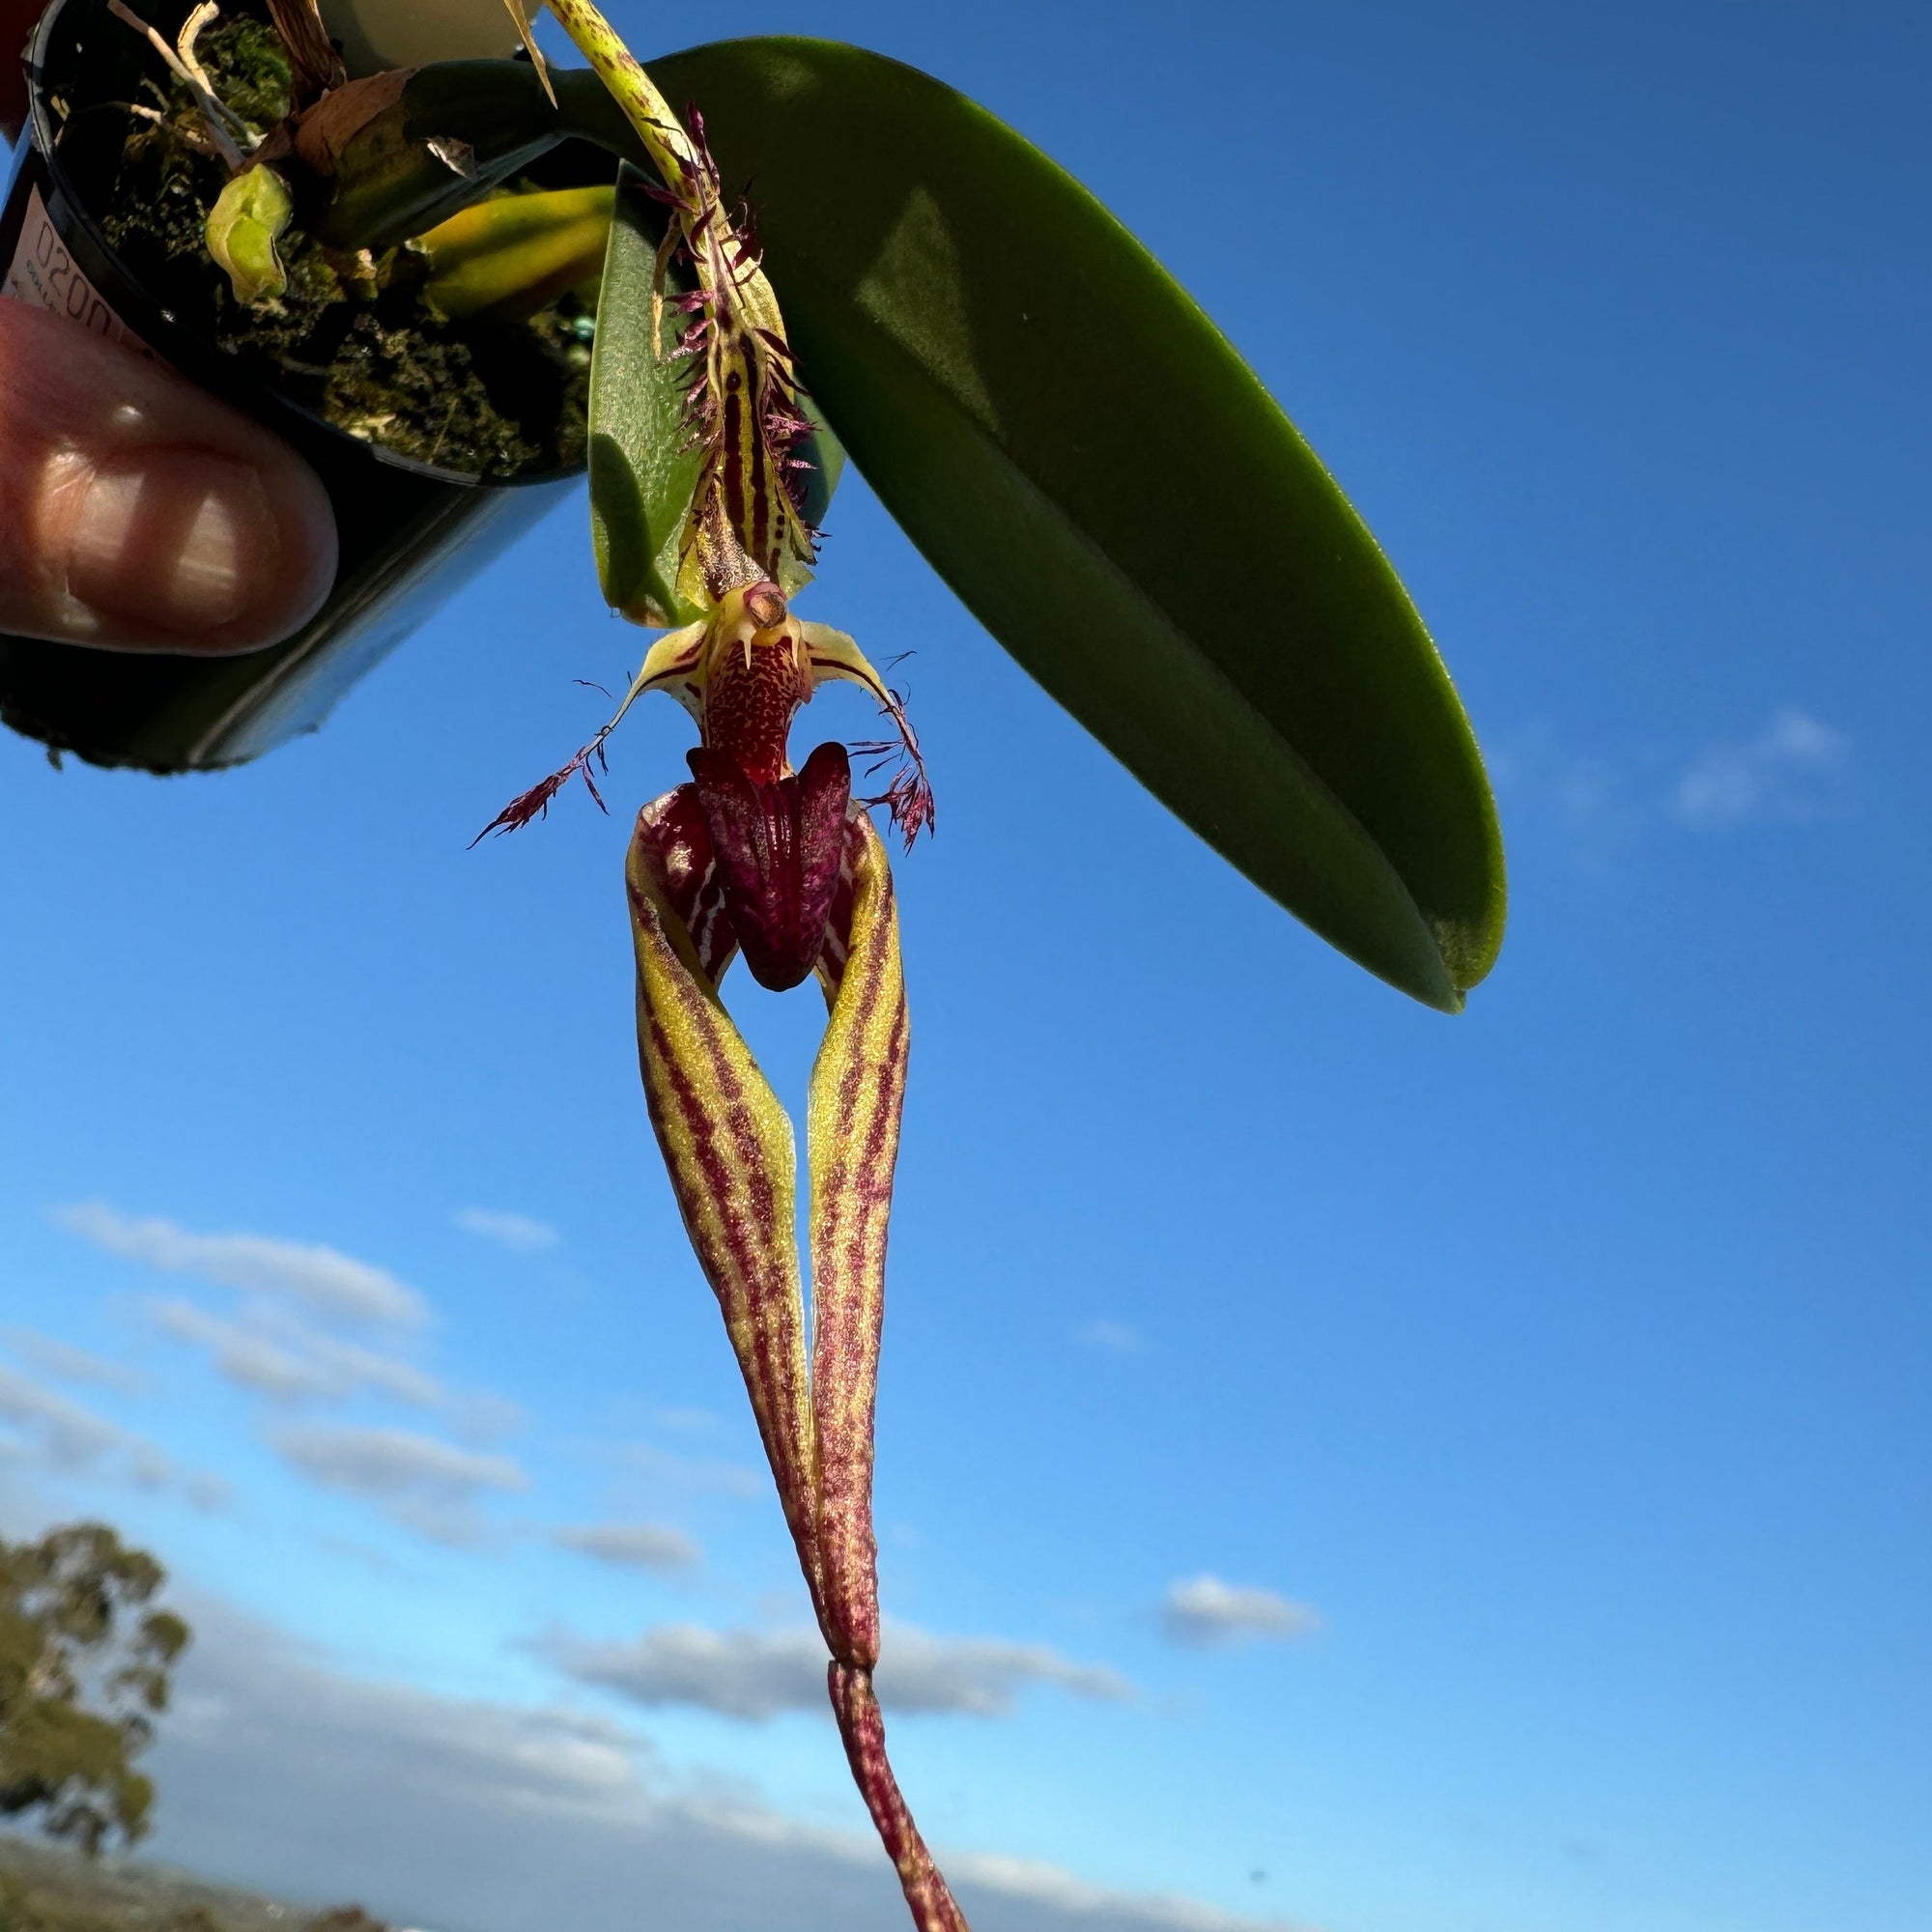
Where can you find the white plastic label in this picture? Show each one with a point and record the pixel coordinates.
(42, 271)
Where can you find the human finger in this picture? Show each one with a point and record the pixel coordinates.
(139, 512)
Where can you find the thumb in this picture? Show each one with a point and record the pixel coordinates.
(140, 513)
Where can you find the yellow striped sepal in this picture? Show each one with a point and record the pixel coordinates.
(729, 1146)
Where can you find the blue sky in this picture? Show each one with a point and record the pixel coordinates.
(1542, 1390)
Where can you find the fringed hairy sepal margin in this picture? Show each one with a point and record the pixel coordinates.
(742, 404)
(746, 520)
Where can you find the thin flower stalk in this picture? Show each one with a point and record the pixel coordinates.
(863, 1727)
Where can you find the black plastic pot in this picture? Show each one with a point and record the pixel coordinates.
(409, 534)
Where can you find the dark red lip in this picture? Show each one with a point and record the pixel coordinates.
(778, 848)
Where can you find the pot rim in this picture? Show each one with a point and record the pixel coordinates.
(41, 137)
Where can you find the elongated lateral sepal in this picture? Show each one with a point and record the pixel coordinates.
(729, 1146)
(852, 1137)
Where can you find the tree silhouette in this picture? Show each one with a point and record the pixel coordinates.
(84, 1672)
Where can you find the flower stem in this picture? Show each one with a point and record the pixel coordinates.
(862, 1726)
(634, 90)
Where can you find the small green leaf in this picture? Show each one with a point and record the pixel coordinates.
(642, 464)
(1107, 485)
(824, 458)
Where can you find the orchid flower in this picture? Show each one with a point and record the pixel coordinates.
(705, 529)
(785, 868)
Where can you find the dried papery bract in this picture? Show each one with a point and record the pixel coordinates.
(314, 65)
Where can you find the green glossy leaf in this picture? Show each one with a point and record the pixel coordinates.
(642, 465)
(1110, 489)
(455, 130)
(507, 257)
(824, 458)
(642, 471)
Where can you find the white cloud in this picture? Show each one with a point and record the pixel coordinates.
(426, 1484)
(1203, 1611)
(1039, 1884)
(981, 1675)
(755, 1674)
(293, 1777)
(69, 1435)
(638, 1546)
(687, 1421)
(1595, 802)
(69, 1364)
(670, 1475)
(1115, 1336)
(72, 1440)
(481, 1415)
(1797, 770)
(518, 1233)
(328, 1282)
(1793, 772)
(275, 1355)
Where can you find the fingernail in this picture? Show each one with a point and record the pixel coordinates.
(174, 539)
